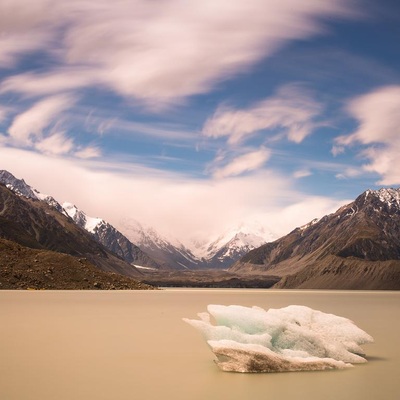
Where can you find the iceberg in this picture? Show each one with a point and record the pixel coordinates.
(293, 338)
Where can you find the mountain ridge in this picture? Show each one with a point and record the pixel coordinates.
(219, 253)
(103, 232)
(110, 237)
(144, 246)
(358, 234)
(35, 224)
(358, 246)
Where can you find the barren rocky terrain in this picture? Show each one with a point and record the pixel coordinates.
(25, 268)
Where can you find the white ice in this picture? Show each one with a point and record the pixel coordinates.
(294, 338)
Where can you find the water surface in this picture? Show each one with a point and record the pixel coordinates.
(133, 345)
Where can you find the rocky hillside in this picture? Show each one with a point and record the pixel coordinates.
(25, 268)
(109, 237)
(36, 224)
(356, 247)
(101, 231)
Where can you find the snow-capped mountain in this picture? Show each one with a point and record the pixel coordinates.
(236, 248)
(223, 251)
(219, 253)
(102, 231)
(357, 247)
(21, 188)
(32, 223)
(170, 253)
(389, 197)
(165, 252)
(110, 237)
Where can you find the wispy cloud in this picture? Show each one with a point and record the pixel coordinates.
(244, 163)
(57, 143)
(291, 114)
(378, 132)
(206, 206)
(88, 152)
(40, 127)
(196, 45)
(156, 54)
(292, 111)
(154, 130)
(61, 80)
(29, 126)
(302, 173)
(350, 172)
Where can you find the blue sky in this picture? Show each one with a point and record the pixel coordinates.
(197, 117)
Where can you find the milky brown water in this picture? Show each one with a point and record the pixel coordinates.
(134, 345)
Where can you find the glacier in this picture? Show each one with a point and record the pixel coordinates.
(293, 338)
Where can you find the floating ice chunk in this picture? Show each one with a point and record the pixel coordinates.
(238, 357)
(294, 338)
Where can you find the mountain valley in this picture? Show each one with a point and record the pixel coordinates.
(357, 247)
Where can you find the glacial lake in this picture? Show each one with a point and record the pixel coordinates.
(120, 345)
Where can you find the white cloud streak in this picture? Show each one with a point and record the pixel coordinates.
(302, 173)
(147, 129)
(205, 207)
(244, 163)
(378, 115)
(39, 128)
(30, 125)
(55, 144)
(349, 172)
(159, 52)
(50, 83)
(88, 152)
(291, 111)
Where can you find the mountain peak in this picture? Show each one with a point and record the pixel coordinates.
(18, 186)
(21, 188)
(384, 198)
(390, 196)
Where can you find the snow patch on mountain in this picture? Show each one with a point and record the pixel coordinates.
(83, 220)
(144, 236)
(241, 238)
(21, 188)
(169, 251)
(241, 242)
(311, 223)
(389, 196)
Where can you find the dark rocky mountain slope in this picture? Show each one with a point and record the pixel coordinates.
(357, 247)
(102, 231)
(36, 224)
(25, 268)
(110, 237)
